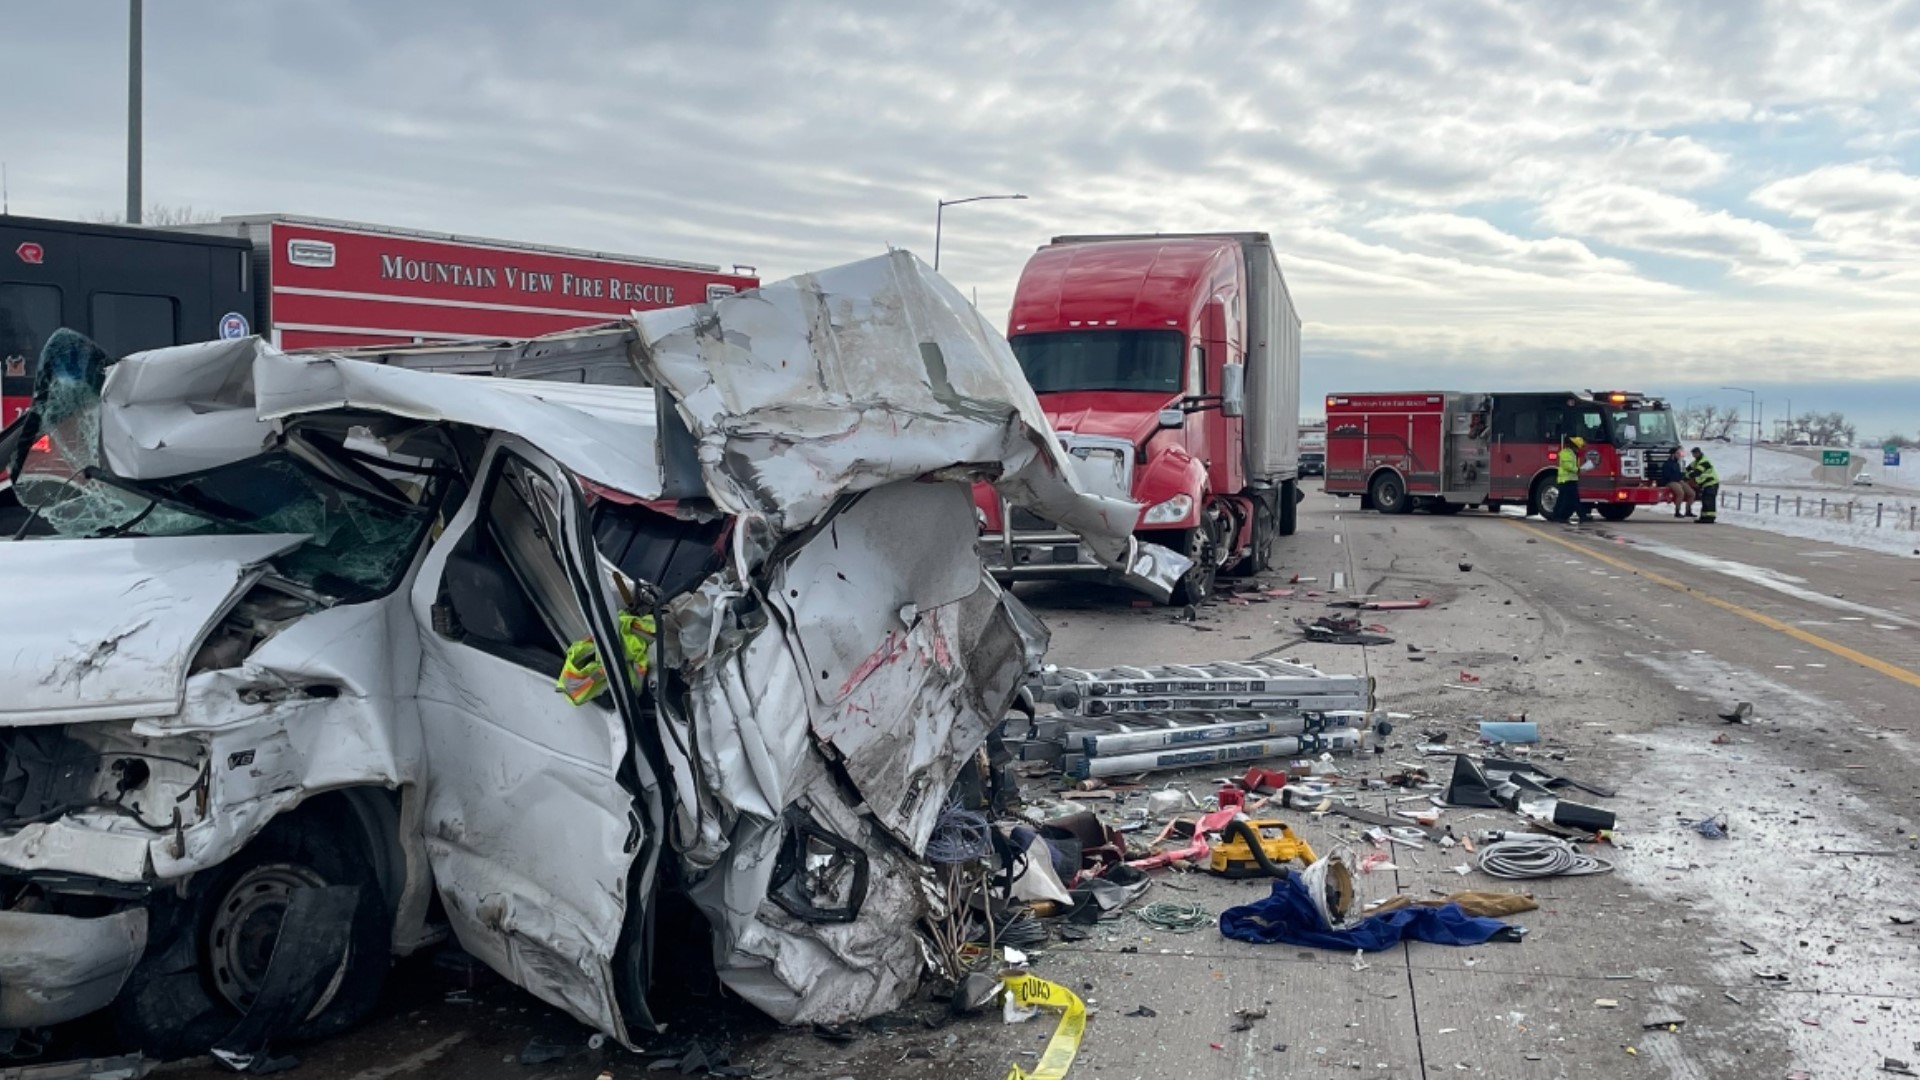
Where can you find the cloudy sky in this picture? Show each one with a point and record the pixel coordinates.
(1669, 196)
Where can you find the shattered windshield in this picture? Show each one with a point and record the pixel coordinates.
(362, 529)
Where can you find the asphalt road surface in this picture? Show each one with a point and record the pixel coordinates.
(1779, 951)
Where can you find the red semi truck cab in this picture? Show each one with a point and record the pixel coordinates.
(1445, 450)
(1169, 365)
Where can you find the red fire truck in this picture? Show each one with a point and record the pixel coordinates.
(1443, 451)
(307, 283)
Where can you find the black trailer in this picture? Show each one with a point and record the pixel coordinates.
(126, 287)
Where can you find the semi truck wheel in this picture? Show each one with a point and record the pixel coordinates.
(1616, 512)
(1260, 557)
(1389, 494)
(1289, 510)
(1202, 546)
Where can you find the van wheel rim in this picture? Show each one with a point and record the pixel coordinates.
(245, 927)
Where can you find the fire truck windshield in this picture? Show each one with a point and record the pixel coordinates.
(1147, 360)
(1644, 427)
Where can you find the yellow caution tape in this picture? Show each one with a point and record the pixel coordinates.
(1030, 991)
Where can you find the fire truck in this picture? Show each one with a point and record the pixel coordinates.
(309, 283)
(1443, 451)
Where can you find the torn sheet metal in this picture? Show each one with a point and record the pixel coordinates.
(798, 389)
(131, 613)
(799, 971)
(182, 410)
(153, 427)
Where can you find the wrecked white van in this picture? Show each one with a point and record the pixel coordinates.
(281, 636)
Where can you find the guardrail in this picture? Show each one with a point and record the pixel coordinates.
(1851, 511)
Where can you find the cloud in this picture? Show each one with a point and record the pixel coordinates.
(1475, 239)
(1635, 217)
(1512, 182)
(1859, 207)
(1677, 162)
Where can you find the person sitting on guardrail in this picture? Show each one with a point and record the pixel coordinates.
(1673, 474)
(1707, 482)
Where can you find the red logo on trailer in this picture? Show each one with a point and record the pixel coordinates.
(31, 253)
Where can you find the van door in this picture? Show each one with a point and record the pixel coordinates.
(530, 824)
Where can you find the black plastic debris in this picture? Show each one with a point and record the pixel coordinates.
(1469, 785)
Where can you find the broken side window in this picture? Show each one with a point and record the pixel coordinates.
(506, 590)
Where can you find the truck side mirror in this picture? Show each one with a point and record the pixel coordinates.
(1233, 390)
(1173, 418)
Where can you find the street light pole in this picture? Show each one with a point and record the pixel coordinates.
(1753, 411)
(939, 213)
(133, 112)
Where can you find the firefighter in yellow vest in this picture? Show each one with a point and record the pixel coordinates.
(1567, 481)
(1707, 482)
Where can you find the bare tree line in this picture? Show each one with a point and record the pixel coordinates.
(1731, 422)
(158, 214)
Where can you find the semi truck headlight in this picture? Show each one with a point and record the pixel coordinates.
(1171, 512)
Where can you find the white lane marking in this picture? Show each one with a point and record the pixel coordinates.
(1339, 581)
(1785, 584)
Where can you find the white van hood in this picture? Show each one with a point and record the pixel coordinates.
(142, 603)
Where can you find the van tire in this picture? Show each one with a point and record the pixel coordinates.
(180, 999)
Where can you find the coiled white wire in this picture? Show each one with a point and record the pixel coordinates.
(1539, 857)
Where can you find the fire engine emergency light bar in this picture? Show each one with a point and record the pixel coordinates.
(1107, 745)
(1343, 741)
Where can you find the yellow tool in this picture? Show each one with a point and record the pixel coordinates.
(1258, 849)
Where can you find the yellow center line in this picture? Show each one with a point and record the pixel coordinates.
(1873, 663)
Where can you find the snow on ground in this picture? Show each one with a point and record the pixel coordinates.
(1860, 533)
(1796, 484)
(1800, 469)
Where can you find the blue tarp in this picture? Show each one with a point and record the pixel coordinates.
(1288, 917)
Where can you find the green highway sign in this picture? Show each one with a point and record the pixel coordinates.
(1835, 457)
